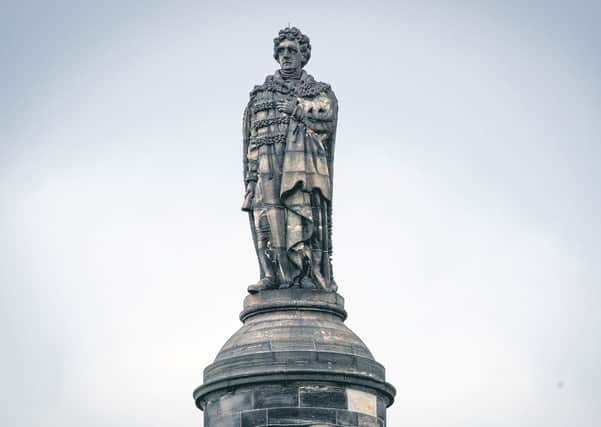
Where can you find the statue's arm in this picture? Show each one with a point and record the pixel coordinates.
(249, 160)
(249, 151)
(318, 114)
(253, 164)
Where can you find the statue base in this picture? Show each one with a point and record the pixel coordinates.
(294, 362)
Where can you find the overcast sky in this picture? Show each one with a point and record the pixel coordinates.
(466, 216)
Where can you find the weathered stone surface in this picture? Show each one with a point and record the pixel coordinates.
(289, 131)
(276, 395)
(293, 299)
(254, 418)
(223, 421)
(296, 403)
(324, 396)
(301, 340)
(236, 401)
(367, 421)
(301, 415)
(347, 418)
(381, 408)
(293, 362)
(360, 401)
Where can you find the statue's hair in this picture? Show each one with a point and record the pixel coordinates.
(293, 34)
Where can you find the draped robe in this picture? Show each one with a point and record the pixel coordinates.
(291, 159)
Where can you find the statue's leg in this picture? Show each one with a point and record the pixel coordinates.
(326, 244)
(277, 225)
(316, 264)
(318, 274)
(269, 280)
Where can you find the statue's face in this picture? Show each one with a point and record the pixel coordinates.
(289, 55)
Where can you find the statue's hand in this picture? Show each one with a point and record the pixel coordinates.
(286, 106)
(250, 188)
(249, 195)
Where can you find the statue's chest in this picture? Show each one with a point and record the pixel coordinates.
(266, 119)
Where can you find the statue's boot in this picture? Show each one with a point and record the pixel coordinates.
(318, 278)
(269, 280)
(264, 284)
(285, 268)
(333, 286)
(316, 266)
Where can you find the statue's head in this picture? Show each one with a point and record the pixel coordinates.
(291, 49)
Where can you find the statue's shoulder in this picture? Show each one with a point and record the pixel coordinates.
(311, 87)
(308, 88)
(271, 84)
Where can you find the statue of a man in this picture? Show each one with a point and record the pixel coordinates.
(289, 134)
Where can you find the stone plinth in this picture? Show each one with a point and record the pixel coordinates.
(294, 363)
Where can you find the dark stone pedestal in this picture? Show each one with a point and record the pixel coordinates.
(294, 363)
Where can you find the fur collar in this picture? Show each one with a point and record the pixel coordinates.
(305, 87)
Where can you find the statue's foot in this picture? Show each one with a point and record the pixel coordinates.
(333, 286)
(298, 282)
(319, 281)
(286, 285)
(264, 284)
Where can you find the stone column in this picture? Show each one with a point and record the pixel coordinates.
(294, 363)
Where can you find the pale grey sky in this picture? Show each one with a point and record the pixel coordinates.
(466, 219)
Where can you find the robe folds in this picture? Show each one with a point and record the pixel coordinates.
(291, 159)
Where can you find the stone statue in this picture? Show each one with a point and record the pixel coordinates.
(294, 362)
(289, 133)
